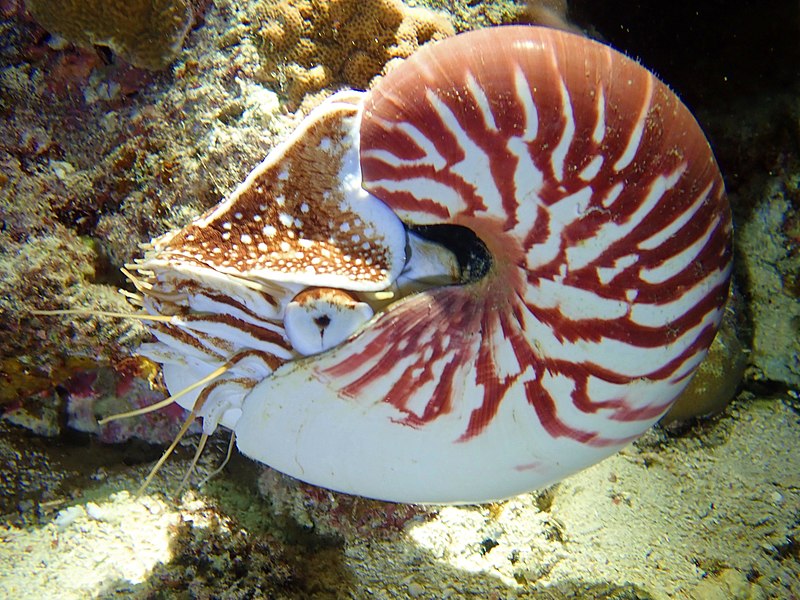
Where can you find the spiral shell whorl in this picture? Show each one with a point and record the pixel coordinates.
(602, 207)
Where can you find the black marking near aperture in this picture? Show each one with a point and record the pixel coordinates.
(474, 258)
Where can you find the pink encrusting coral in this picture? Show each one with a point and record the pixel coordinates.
(95, 395)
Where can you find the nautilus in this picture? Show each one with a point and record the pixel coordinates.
(496, 267)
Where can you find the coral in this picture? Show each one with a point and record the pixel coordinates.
(99, 393)
(46, 271)
(765, 183)
(20, 380)
(771, 260)
(146, 33)
(312, 44)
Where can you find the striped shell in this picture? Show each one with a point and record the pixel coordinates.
(538, 235)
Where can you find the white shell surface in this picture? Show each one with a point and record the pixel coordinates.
(299, 425)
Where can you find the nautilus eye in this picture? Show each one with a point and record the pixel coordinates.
(498, 266)
(321, 318)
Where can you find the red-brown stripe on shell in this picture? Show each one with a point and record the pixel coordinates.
(600, 203)
(570, 323)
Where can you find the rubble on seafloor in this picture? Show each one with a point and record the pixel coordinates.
(98, 155)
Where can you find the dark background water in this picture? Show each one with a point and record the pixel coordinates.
(709, 51)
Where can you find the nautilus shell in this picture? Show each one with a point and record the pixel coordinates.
(498, 266)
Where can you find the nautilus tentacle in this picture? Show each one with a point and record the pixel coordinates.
(541, 231)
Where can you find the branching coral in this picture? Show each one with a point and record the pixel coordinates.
(146, 33)
(310, 44)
